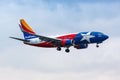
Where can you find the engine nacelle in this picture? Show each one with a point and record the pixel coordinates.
(81, 46)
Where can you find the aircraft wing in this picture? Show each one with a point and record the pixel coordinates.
(56, 42)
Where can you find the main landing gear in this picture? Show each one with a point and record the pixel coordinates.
(58, 48)
(66, 50)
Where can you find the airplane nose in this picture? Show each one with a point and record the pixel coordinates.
(106, 37)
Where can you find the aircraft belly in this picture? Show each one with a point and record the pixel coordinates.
(43, 44)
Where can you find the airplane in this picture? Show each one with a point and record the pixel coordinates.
(77, 40)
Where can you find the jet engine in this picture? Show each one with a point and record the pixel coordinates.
(81, 46)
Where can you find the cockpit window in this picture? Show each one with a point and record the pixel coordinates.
(100, 34)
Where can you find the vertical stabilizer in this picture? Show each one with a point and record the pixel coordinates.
(26, 29)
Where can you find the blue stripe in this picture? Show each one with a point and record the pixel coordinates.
(28, 36)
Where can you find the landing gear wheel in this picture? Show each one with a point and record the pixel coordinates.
(97, 45)
(67, 50)
(58, 48)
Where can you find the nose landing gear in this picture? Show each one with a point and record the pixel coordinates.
(97, 45)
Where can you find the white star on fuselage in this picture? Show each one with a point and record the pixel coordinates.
(86, 36)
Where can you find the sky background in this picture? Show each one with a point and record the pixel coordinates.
(51, 17)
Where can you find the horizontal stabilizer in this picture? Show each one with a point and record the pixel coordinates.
(20, 39)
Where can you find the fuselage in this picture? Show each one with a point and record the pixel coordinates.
(74, 39)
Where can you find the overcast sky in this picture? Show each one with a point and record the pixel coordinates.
(51, 17)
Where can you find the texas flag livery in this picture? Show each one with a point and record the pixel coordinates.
(77, 40)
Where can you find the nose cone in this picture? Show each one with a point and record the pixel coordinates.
(106, 37)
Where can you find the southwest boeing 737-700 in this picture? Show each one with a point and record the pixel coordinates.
(77, 40)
